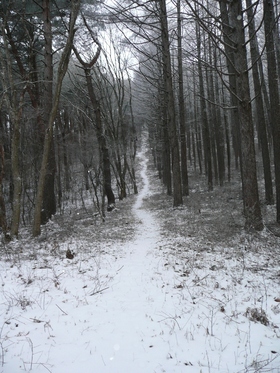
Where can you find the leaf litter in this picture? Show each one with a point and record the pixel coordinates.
(154, 289)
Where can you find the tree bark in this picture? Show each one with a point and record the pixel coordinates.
(3, 220)
(182, 116)
(168, 88)
(106, 167)
(17, 187)
(261, 122)
(219, 134)
(252, 211)
(15, 107)
(62, 68)
(273, 94)
(166, 156)
(49, 201)
(229, 50)
(204, 119)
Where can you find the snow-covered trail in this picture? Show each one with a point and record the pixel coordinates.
(135, 303)
(126, 332)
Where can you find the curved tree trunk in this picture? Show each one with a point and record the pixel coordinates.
(101, 135)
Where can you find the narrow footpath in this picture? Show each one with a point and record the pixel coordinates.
(131, 338)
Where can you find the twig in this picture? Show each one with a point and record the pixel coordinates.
(37, 321)
(32, 352)
(99, 291)
(200, 279)
(61, 310)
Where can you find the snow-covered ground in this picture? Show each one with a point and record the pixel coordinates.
(158, 301)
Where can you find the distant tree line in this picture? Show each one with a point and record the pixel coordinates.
(208, 81)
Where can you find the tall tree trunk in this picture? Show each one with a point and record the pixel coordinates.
(227, 135)
(15, 107)
(277, 35)
(17, 187)
(261, 122)
(252, 211)
(219, 134)
(133, 143)
(182, 116)
(105, 159)
(166, 157)
(3, 220)
(64, 133)
(163, 138)
(212, 120)
(273, 93)
(49, 202)
(196, 126)
(204, 119)
(229, 48)
(62, 68)
(168, 87)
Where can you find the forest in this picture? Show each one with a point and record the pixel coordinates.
(81, 79)
(139, 186)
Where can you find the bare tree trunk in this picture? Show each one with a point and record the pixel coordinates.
(165, 143)
(168, 87)
(220, 136)
(17, 187)
(3, 221)
(277, 35)
(252, 211)
(197, 127)
(63, 124)
(261, 122)
(133, 143)
(212, 120)
(62, 68)
(227, 136)
(49, 202)
(106, 167)
(182, 116)
(100, 132)
(14, 105)
(204, 119)
(228, 44)
(273, 93)
(166, 172)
